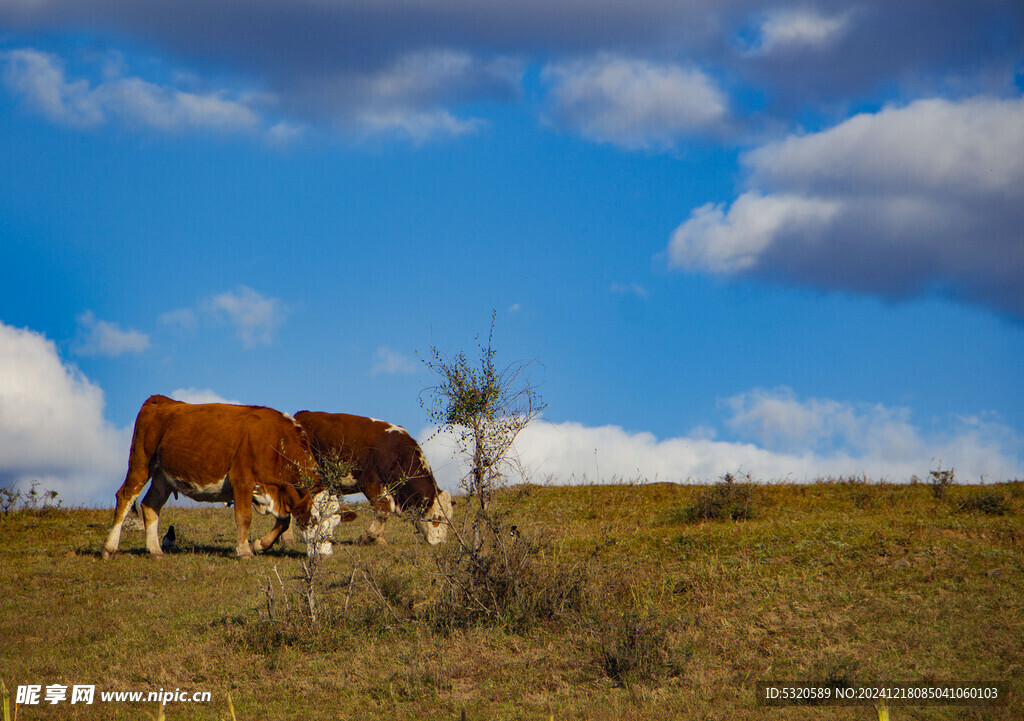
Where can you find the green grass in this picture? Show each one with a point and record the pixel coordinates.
(851, 581)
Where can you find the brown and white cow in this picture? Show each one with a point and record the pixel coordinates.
(254, 456)
(390, 470)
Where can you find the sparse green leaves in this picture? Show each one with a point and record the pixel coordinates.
(484, 407)
(941, 480)
(337, 474)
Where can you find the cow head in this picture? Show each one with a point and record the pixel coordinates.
(433, 524)
(324, 516)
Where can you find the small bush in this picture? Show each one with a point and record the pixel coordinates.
(726, 500)
(987, 502)
(634, 648)
(941, 480)
(514, 581)
(12, 501)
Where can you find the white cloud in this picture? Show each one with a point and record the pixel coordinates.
(777, 420)
(388, 361)
(895, 203)
(419, 126)
(419, 78)
(735, 240)
(254, 316)
(52, 428)
(201, 395)
(967, 148)
(789, 28)
(100, 337)
(778, 438)
(168, 109)
(39, 78)
(634, 103)
(42, 81)
(302, 49)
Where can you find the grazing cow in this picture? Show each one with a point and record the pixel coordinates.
(254, 456)
(390, 470)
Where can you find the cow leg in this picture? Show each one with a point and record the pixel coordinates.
(288, 535)
(384, 505)
(157, 495)
(375, 533)
(280, 526)
(243, 515)
(134, 482)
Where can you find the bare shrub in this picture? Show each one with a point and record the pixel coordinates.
(940, 481)
(33, 500)
(987, 502)
(634, 647)
(726, 500)
(516, 582)
(309, 612)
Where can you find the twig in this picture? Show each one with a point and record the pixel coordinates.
(373, 585)
(351, 583)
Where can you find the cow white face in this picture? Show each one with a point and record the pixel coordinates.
(433, 526)
(324, 517)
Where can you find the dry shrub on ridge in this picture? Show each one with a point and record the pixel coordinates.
(726, 500)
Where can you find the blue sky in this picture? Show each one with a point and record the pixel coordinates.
(780, 238)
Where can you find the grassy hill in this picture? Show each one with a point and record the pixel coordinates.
(626, 603)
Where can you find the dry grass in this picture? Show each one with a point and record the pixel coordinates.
(846, 581)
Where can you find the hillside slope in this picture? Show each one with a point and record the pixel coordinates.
(670, 616)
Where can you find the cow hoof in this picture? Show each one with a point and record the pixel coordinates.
(106, 555)
(157, 556)
(368, 540)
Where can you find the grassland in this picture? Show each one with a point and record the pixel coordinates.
(843, 582)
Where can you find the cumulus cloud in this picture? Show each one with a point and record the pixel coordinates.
(634, 103)
(927, 196)
(777, 420)
(411, 69)
(41, 80)
(100, 337)
(798, 28)
(776, 437)
(407, 97)
(52, 428)
(382, 61)
(388, 361)
(254, 316)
